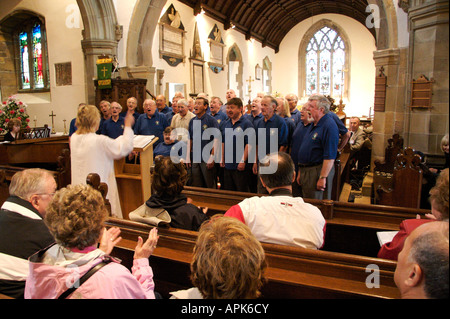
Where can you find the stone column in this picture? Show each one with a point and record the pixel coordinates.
(392, 120)
(429, 32)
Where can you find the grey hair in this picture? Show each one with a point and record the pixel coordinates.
(322, 102)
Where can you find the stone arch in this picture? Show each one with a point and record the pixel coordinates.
(387, 34)
(101, 35)
(236, 52)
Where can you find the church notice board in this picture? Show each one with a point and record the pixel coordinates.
(421, 92)
(133, 179)
(380, 91)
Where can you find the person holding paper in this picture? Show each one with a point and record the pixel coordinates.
(439, 211)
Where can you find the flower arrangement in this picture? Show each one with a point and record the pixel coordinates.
(13, 108)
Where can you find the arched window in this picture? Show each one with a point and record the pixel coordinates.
(324, 55)
(32, 63)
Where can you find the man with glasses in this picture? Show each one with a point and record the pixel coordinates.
(22, 228)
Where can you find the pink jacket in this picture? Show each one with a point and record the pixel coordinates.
(53, 272)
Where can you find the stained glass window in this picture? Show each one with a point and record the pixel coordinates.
(325, 61)
(33, 67)
(24, 58)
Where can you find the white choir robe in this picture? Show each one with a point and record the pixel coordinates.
(93, 153)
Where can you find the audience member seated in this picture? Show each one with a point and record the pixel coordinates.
(228, 262)
(168, 180)
(76, 219)
(439, 195)
(13, 130)
(422, 268)
(281, 218)
(22, 229)
(357, 135)
(445, 149)
(165, 148)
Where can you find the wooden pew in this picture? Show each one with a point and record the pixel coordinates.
(351, 228)
(292, 272)
(406, 182)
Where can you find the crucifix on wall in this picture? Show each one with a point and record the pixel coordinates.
(250, 80)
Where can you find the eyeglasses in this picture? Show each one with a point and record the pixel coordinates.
(49, 194)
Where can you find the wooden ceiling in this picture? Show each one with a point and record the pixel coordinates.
(268, 21)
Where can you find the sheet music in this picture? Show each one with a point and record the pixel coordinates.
(140, 141)
(386, 236)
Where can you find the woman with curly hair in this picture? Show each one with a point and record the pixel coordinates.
(228, 262)
(75, 218)
(168, 180)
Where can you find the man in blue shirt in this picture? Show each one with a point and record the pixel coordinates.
(132, 108)
(292, 100)
(203, 146)
(271, 134)
(255, 116)
(318, 151)
(235, 147)
(151, 122)
(169, 143)
(114, 126)
(215, 106)
(161, 104)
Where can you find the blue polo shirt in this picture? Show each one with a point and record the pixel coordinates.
(297, 138)
(254, 119)
(166, 110)
(154, 126)
(72, 127)
(231, 139)
(269, 128)
(113, 129)
(295, 115)
(165, 149)
(220, 117)
(197, 127)
(341, 127)
(320, 142)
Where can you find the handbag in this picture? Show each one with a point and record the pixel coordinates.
(151, 216)
(106, 260)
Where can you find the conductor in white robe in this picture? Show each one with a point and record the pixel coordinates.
(93, 153)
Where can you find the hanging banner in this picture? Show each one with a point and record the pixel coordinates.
(104, 68)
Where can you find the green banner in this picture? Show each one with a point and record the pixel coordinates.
(104, 68)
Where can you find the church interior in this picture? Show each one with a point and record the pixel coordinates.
(383, 61)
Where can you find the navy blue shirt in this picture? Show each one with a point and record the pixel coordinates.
(154, 126)
(295, 115)
(232, 155)
(254, 119)
(165, 149)
(320, 142)
(166, 110)
(196, 128)
(270, 129)
(290, 122)
(341, 127)
(220, 117)
(72, 127)
(136, 115)
(113, 129)
(297, 138)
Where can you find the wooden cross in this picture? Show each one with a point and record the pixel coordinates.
(53, 124)
(250, 86)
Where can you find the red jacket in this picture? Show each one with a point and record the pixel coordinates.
(392, 249)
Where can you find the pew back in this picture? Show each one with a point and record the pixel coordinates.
(292, 272)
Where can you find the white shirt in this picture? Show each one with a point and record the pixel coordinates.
(93, 153)
(283, 220)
